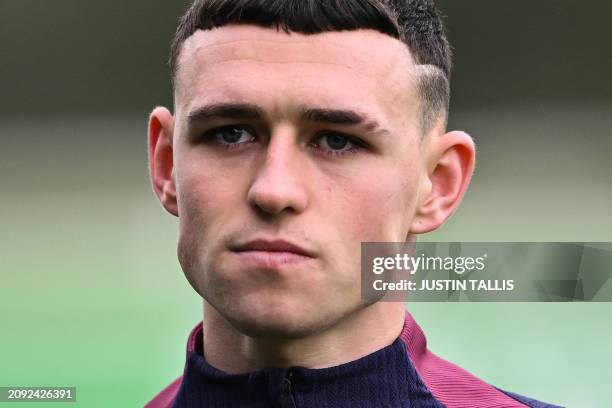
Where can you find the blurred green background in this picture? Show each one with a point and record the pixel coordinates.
(91, 293)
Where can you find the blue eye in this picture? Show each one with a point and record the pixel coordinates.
(336, 143)
(231, 136)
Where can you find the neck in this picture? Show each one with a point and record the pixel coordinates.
(357, 335)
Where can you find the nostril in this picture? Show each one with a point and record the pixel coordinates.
(269, 201)
(276, 196)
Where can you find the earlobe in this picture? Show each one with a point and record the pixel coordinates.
(452, 158)
(161, 165)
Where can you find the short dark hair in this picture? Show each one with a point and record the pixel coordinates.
(417, 23)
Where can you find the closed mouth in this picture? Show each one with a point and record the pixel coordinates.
(271, 246)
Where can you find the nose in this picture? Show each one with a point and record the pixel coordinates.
(278, 185)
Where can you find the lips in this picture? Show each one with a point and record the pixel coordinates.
(270, 254)
(281, 246)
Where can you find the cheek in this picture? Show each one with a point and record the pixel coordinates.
(380, 207)
(205, 191)
(207, 201)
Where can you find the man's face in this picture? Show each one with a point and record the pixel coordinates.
(311, 140)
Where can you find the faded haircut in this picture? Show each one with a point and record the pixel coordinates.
(417, 23)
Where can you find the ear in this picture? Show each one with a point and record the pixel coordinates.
(161, 164)
(450, 164)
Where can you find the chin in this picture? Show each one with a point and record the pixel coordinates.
(288, 321)
(272, 329)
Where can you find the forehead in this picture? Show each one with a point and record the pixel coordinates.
(245, 63)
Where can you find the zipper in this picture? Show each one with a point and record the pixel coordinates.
(287, 392)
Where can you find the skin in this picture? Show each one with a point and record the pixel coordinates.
(325, 187)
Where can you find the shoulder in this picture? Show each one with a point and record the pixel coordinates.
(452, 385)
(165, 398)
(530, 402)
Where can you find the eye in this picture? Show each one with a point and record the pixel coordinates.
(337, 143)
(230, 136)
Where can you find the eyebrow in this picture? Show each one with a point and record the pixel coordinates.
(225, 110)
(307, 114)
(341, 117)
